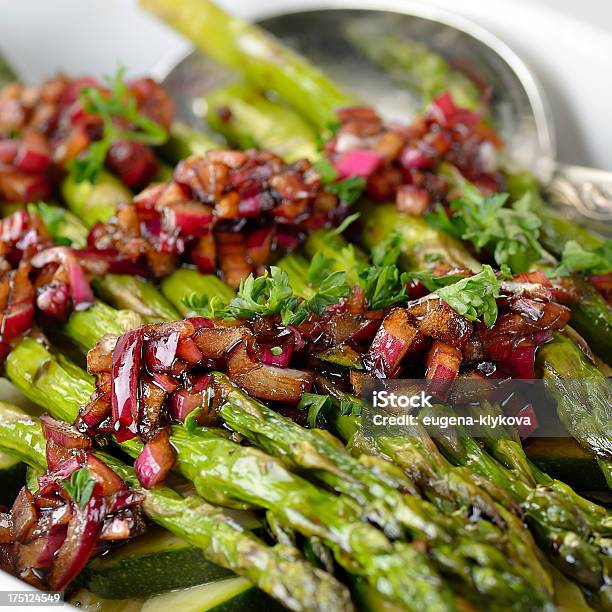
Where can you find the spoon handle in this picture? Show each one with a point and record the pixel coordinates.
(584, 193)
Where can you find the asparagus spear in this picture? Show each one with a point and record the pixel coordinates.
(278, 570)
(7, 74)
(551, 517)
(93, 203)
(449, 487)
(411, 63)
(555, 230)
(86, 327)
(506, 448)
(184, 141)
(377, 487)
(398, 571)
(184, 282)
(129, 292)
(271, 126)
(261, 58)
(225, 472)
(582, 394)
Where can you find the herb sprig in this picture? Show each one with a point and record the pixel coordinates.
(80, 486)
(577, 260)
(119, 103)
(474, 297)
(511, 234)
(271, 294)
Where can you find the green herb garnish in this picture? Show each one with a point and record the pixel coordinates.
(474, 297)
(576, 260)
(203, 306)
(271, 294)
(381, 282)
(315, 404)
(80, 487)
(119, 104)
(510, 233)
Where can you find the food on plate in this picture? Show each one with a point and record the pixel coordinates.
(201, 318)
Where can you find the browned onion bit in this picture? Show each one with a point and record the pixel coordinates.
(222, 211)
(410, 153)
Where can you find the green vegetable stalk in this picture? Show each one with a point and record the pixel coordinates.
(225, 472)
(128, 292)
(261, 58)
(278, 570)
(86, 327)
(93, 202)
(377, 486)
(273, 127)
(411, 63)
(185, 282)
(184, 141)
(582, 394)
(561, 533)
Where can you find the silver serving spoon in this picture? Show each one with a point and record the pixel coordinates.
(518, 104)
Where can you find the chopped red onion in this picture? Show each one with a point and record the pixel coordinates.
(155, 461)
(125, 393)
(358, 163)
(160, 352)
(80, 543)
(63, 434)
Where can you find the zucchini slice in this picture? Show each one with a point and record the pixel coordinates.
(228, 595)
(155, 562)
(566, 460)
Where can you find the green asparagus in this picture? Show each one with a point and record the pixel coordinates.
(273, 127)
(224, 472)
(552, 518)
(93, 203)
(261, 58)
(376, 485)
(278, 570)
(7, 74)
(129, 292)
(412, 64)
(184, 141)
(582, 394)
(184, 282)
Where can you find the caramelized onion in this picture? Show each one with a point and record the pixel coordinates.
(155, 460)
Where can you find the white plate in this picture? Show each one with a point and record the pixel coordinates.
(570, 57)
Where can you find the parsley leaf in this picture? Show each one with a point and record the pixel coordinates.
(80, 486)
(432, 282)
(121, 104)
(350, 406)
(271, 294)
(329, 291)
(203, 306)
(382, 286)
(511, 234)
(576, 260)
(381, 282)
(52, 216)
(474, 297)
(315, 404)
(348, 190)
(387, 252)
